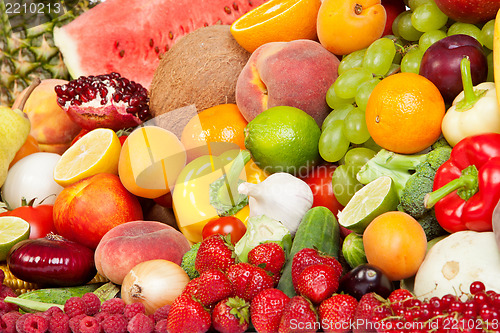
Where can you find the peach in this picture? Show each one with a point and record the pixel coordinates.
(50, 125)
(296, 73)
(131, 243)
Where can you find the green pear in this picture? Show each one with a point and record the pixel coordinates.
(15, 127)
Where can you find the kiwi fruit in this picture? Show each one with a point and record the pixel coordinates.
(200, 69)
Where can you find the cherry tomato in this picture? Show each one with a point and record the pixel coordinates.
(39, 217)
(225, 225)
(320, 182)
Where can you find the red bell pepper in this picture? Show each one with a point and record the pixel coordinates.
(467, 186)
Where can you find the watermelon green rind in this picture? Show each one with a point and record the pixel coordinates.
(129, 36)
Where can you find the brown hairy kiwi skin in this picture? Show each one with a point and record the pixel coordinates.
(201, 69)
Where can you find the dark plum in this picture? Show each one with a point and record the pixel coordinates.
(441, 64)
(364, 279)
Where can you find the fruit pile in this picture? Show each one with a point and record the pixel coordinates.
(233, 166)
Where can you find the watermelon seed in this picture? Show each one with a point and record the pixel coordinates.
(235, 6)
(122, 53)
(151, 42)
(227, 10)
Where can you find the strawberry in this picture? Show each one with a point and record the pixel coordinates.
(336, 313)
(210, 287)
(299, 316)
(370, 310)
(188, 315)
(266, 309)
(318, 282)
(231, 315)
(215, 252)
(269, 256)
(248, 280)
(307, 257)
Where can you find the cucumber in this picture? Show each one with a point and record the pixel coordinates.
(353, 250)
(59, 295)
(319, 229)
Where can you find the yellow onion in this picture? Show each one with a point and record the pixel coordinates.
(154, 283)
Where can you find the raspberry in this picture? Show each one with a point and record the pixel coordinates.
(141, 323)
(59, 323)
(116, 323)
(113, 306)
(132, 309)
(35, 323)
(89, 324)
(92, 304)
(161, 326)
(74, 323)
(6, 291)
(52, 310)
(8, 322)
(74, 306)
(20, 322)
(101, 316)
(162, 313)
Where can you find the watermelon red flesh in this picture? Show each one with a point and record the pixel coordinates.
(128, 36)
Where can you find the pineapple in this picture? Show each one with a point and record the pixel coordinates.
(29, 53)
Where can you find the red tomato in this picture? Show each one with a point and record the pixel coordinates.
(122, 138)
(225, 225)
(79, 135)
(320, 182)
(39, 217)
(164, 200)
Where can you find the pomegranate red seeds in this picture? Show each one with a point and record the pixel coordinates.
(108, 100)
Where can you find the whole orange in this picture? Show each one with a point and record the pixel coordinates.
(219, 124)
(396, 243)
(404, 113)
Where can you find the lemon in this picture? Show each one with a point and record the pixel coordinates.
(98, 151)
(283, 139)
(12, 230)
(377, 197)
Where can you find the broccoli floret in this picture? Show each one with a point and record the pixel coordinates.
(420, 183)
(431, 226)
(188, 260)
(413, 175)
(387, 163)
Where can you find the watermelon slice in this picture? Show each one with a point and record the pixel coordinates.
(129, 36)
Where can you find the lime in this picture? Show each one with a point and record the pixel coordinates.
(12, 230)
(283, 139)
(375, 198)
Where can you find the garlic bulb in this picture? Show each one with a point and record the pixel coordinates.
(280, 196)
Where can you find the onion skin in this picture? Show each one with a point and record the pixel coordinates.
(154, 283)
(52, 261)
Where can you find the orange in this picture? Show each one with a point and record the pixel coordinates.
(276, 21)
(221, 123)
(29, 147)
(404, 113)
(345, 26)
(396, 243)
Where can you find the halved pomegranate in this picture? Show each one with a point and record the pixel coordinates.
(107, 100)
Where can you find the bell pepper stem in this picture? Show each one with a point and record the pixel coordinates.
(466, 186)
(229, 191)
(471, 96)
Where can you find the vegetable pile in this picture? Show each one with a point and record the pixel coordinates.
(359, 190)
